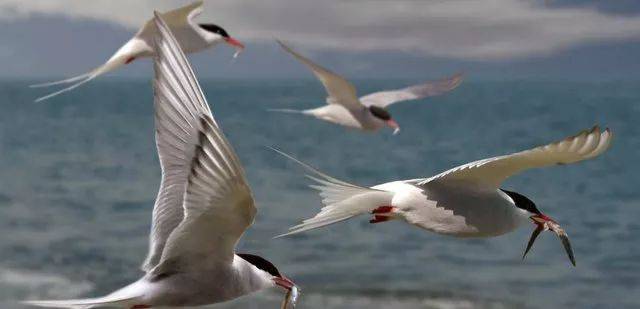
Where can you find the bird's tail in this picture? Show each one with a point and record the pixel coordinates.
(84, 78)
(60, 82)
(124, 55)
(85, 303)
(342, 200)
(127, 297)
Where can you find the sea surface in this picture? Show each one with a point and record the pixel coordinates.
(79, 174)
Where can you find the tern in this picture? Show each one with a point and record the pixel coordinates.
(192, 37)
(465, 201)
(203, 207)
(368, 113)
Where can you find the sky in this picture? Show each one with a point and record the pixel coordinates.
(549, 39)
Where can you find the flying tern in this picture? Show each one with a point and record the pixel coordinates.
(367, 113)
(203, 207)
(191, 36)
(465, 201)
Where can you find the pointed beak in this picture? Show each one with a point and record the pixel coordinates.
(284, 282)
(544, 223)
(393, 124)
(235, 43)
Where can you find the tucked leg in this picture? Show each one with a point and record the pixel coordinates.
(382, 214)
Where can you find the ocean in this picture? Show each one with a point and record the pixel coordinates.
(79, 174)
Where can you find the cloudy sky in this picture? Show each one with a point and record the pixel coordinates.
(566, 39)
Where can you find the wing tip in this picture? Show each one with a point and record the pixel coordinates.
(284, 46)
(459, 75)
(609, 136)
(283, 235)
(604, 143)
(606, 133)
(195, 4)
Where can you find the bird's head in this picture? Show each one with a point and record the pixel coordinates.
(384, 115)
(268, 267)
(542, 223)
(216, 33)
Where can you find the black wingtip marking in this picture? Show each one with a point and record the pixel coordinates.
(195, 162)
(201, 138)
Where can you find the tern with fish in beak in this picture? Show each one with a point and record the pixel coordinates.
(191, 36)
(202, 209)
(465, 201)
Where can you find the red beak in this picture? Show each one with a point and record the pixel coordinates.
(393, 124)
(284, 282)
(541, 219)
(235, 43)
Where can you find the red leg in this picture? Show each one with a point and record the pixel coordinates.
(382, 214)
(141, 307)
(382, 209)
(127, 62)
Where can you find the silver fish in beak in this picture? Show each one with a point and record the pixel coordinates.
(235, 44)
(291, 298)
(545, 223)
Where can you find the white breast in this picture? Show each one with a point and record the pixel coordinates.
(458, 211)
(338, 114)
(214, 284)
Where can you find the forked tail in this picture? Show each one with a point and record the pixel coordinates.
(60, 82)
(124, 55)
(341, 200)
(84, 78)
(126, 297)
(85, 303)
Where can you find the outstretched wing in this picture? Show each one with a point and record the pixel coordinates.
(425, 90)
(204, 204)
(183, 15)
(493, 171)
(218, 206)
(179, 18)
(340, 90)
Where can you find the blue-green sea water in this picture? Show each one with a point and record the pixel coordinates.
(79, 174)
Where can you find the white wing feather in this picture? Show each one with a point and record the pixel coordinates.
(340, 90)
(428, 89)
(218, 206)
(175, 19)
(192, 152)
(493, 171)
(183, 15)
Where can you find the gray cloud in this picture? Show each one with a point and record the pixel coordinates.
(458, 29)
